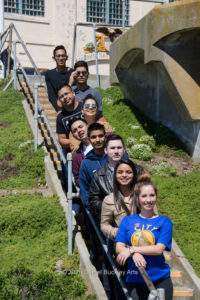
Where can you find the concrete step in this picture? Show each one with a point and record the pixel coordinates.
(51, 118)
(46, 131)
(183, 293)
(52, 124)
(176, 277)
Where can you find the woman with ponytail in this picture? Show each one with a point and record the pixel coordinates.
(142, 239)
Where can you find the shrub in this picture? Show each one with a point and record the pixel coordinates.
(141, 151)
(164, 169)
(148, 140)
(131, 141)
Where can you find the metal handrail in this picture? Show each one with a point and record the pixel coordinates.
(27, 52)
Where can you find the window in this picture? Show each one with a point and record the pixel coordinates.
(25, 7)
(107, 11)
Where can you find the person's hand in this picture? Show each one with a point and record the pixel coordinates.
(122, 256)
(139, 260)
(72, 78)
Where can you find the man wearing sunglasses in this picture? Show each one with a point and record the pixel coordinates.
(60, 75)
(81, 88)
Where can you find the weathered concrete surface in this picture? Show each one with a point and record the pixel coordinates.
(157, 65)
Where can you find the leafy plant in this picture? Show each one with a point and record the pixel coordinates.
(164, 169)
(141, 151)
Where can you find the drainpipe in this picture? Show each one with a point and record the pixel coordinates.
(123, 15)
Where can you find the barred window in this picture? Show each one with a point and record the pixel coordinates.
(107, 11)
(25, 7)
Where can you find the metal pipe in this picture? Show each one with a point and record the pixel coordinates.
(36, 116)
(1, 32)
(4, 40)
(27, 52)
(96, 55)
(74, 45)
(123, 15)
(15, 65)
(105, 247)
(69, 199)
(8, 84)
(9, 53)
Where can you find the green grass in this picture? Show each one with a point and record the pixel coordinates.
(179, 195)
(33, 238)
(179, 199)
(29, 165)
(33, 233)
(123, 115)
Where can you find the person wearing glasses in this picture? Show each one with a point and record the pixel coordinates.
(58, 76)
(81, 88)
(90, 112)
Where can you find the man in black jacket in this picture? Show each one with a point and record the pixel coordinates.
(102, 181)
(101, 186)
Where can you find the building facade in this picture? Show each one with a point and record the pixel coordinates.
(44, 24)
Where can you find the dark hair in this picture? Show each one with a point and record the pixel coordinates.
(71, 122)
(95, 126)
(59, 47)
(89, 96)
(118, 196)
(143, 180)
(81, 63)
(62, 86)
(113, 137)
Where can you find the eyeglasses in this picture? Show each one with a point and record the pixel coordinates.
(61, 56)
(87, 105)
(81, 72)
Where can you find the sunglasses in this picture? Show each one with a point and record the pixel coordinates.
(90, 105)
(82, 72)
(61, 56)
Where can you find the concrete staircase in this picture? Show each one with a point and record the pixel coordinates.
(182, 285)
(51, 116)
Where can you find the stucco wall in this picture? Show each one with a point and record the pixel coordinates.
(42, 34)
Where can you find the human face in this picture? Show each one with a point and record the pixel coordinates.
(97, 139)
(124, 175)
(115, 150)
(66, 97)
(91, 110)
(60, 57)
(79, 130)
(147, 198)
(81, 75)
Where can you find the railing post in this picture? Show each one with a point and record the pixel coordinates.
(96, 55)
(69, 199)
(15, 65)
(36, 116)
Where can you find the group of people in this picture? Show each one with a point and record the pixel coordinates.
(120, 196)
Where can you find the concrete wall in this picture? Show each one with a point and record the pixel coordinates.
(156, 63)
(42, 34)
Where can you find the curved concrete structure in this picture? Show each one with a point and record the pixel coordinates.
(157, 65)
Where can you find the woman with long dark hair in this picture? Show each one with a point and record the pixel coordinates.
(121, 202)
(142, 239)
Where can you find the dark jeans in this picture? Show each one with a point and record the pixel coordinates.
(139, 291)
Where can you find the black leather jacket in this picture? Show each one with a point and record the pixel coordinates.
(101, 186)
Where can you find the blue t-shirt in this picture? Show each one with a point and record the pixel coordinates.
(137, 231)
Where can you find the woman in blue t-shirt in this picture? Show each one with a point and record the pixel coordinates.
(148, 235)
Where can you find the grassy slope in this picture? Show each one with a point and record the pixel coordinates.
(178, 196)
(28, 163)
(33, 234)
